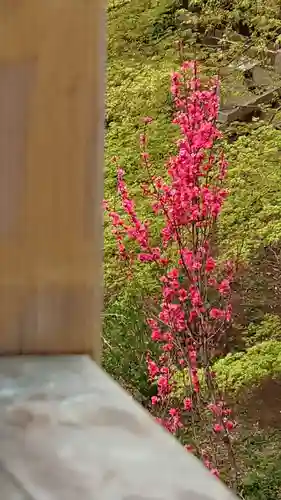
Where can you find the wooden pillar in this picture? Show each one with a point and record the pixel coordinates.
(51, 143)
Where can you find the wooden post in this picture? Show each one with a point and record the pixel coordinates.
(51, 143)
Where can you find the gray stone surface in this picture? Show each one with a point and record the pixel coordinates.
(239, 112)
(68, 432)
(10, 489)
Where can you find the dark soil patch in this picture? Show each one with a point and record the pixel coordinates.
(262, 406)
(256, 292)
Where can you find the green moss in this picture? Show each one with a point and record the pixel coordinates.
(141, 56)
(268, 329)
(247, 369)
(260, 19)
(241, 370)
(252, 213)
(264, 481)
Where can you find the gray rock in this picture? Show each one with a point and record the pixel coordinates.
(69, 432)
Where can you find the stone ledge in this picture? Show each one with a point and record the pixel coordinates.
(69, 432)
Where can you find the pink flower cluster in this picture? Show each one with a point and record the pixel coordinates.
(195, 308)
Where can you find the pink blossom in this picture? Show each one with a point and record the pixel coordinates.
(153, 369)
(187, 403)
(217, 313)
(164, 387)
(228, 313)
(193, 315)
(229, 425)
(195, 296)
(212, 282)
(188, 200)
(182, 294)
(210, 264)
(174, 422)
(173, 412)
(173, 274)
(218, 428)
(152, 323)
(167, 347)
(145, 257)
(156, 335)
(224, 287)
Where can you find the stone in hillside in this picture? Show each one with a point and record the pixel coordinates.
(228, 115)
(261, 77)
(244, 65)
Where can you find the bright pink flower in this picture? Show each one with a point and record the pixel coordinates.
(229, 425)
(154, 400)
(168, 293)
(153, 369)
(224, 287)
(152, 323)
(145, 257)
(192, 357)
(228, 313)
(195, 297)
(173, 412)
(212, 282)
(193, 315)
(167, 347)
(182, 294)
(217, 313)
(173, 274)
(187, 403)
(188, 199)
(218, 428)
(174, 422)
(210, 264)
(164, 387)
(156, 335)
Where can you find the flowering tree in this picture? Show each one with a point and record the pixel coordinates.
(194, 307)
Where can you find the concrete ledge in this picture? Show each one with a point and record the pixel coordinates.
(68, 432)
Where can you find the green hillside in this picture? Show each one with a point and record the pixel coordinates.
(142, 52)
